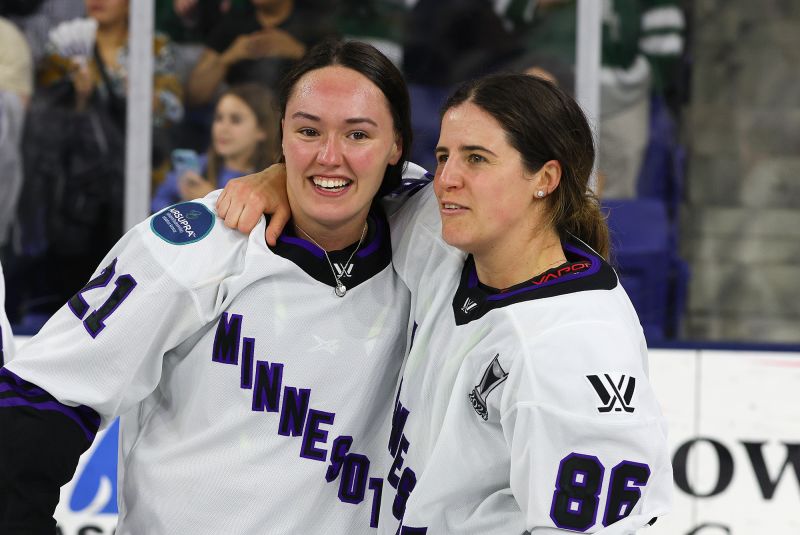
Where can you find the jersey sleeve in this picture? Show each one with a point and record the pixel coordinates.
(417, 245)
(102, 352)
(414, 179)
(587, 439)
(157, 286)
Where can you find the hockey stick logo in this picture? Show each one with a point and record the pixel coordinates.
(611, 392)
(468, 306)
(343, 271)
(492, 378)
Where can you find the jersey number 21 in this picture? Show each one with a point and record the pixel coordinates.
(124, 285)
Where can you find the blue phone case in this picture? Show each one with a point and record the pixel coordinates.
(185, 160)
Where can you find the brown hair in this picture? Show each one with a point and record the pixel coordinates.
(543, 123)
(260, 100)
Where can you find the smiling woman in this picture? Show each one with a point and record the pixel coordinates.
(337, 142)
(345, 138)
(252, 382)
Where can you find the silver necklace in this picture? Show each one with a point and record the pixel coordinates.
(340, 288)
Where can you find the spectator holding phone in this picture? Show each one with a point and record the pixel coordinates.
(243, 139)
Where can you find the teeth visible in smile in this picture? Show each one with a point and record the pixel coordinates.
(449, 206)
(330, 183)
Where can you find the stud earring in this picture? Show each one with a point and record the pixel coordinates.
(540, 194)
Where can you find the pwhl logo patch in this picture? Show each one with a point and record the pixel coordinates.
(615, 395)
(468, 306)
(492, 378)
(343, 271)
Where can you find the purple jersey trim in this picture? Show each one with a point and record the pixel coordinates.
(370, 248)
(593, 268)
(86, 418)
(307, 245)
(375, 244)
(30, 388)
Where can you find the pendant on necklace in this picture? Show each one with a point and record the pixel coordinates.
(340, 289)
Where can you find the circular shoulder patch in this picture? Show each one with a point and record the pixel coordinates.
(183, 223)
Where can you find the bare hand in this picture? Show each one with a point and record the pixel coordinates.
(83, 84)
(274, 42)
(244, 199)
(239, 50)
(193, 186)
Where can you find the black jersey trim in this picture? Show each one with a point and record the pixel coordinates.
(372, 258)
(584, 271)
(17, 392)
(39, 449)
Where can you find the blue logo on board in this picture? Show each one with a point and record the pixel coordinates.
(99, 472)
(183, 223)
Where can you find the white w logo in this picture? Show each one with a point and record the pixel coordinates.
(341, 271)
(469, 304)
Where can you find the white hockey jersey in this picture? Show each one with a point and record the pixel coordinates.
(6, 337)
(527, 410)
(251, 397)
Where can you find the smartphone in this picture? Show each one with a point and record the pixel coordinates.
(185, 160)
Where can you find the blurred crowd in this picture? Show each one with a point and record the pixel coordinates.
(217, 63)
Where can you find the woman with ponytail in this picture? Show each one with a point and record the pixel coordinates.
(524, 403)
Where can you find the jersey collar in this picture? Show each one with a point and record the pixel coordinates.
(584, 270)
(372, 258)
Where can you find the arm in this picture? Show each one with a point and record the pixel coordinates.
(57, 70)
(206, 77)
(244, 200)
(275, 42)
(84, 87)
(212, 68)
(193, 186)
(98, 357)
(42, 442)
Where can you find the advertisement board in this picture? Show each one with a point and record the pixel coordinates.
(734, 421)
